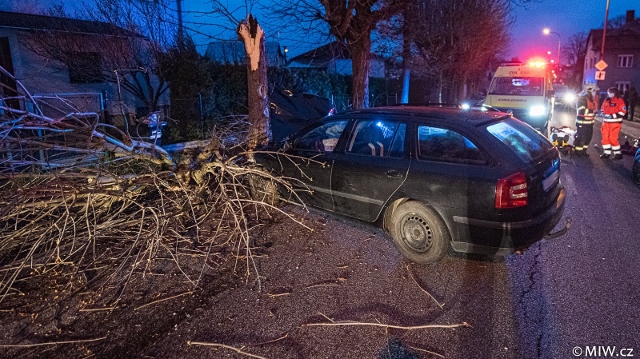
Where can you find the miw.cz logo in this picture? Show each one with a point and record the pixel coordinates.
(602, 351)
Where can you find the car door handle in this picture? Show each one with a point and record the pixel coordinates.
(393, 174)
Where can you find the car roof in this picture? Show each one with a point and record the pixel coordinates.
(450, 113)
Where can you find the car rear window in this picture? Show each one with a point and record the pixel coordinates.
(525, 142)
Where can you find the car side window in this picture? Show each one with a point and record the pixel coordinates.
(376, 138)
(439, 144)
(323, 138)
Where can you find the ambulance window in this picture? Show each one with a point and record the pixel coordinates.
(517, 86)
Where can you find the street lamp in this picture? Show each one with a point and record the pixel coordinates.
(546, 31)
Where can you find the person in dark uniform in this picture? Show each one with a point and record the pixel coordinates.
(585, 117)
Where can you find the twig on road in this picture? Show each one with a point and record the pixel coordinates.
(419, 286)
(225, 346)
(164, 299)
(50, 343)
(427, 351)
(414, 327)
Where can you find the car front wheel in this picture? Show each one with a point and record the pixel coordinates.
(419, 233)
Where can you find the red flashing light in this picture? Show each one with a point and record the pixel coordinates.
(537, 63)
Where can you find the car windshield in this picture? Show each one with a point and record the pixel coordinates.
(516, 86)
(522, 140)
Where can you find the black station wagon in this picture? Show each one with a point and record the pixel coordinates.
(435, 177)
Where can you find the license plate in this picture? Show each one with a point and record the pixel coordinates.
(549, 181)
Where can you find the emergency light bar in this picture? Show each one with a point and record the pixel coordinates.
(537, 64)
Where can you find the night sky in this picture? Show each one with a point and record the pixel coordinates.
(566, 17)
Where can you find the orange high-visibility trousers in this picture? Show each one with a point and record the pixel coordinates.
(610, 132)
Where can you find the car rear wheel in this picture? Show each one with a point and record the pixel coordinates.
(419, 233)
(635, 171)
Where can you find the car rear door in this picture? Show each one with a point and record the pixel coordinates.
(451, 171)
(372, 167)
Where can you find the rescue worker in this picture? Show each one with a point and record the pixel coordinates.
(613, 110)
(585, 117)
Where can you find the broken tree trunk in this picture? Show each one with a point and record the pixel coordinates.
(253, 37)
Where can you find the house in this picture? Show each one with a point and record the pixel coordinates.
(621, 54)
(64, 59)
(233, 52)
(335, 58)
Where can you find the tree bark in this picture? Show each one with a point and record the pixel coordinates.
(253, 37)
(360, 65)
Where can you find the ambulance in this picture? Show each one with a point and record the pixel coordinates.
(524, 90)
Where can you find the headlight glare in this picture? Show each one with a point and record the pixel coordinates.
(538, 110)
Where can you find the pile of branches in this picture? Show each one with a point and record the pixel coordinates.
(79, 195)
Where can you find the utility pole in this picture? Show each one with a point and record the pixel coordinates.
(604, 36)
(604, 30)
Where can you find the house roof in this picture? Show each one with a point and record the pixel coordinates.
(625, 38)
(233, 52)
(323, 55)
(31, 22)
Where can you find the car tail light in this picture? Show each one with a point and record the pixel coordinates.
(512, 191)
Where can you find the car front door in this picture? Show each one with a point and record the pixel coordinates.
(309, 163)
(372, 167)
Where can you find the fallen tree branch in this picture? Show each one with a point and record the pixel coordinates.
(387, 326)
(51, 343)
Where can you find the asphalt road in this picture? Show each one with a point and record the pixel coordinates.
(577, 295)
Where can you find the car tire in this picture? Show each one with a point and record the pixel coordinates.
(419, 233)
(635, 171)
(263, 190)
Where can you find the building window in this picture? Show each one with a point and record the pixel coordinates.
(625, 60)
(85, 67)
(623, 86)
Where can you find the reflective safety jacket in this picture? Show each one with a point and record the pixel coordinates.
(586, 111)
(613, 109)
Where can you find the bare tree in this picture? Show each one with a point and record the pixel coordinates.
(453, 41)
(575, 53)
(576, 50)
(350, 22)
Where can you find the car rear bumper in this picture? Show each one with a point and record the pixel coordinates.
(507, 237)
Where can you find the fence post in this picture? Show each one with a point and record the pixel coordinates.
(201, 117)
